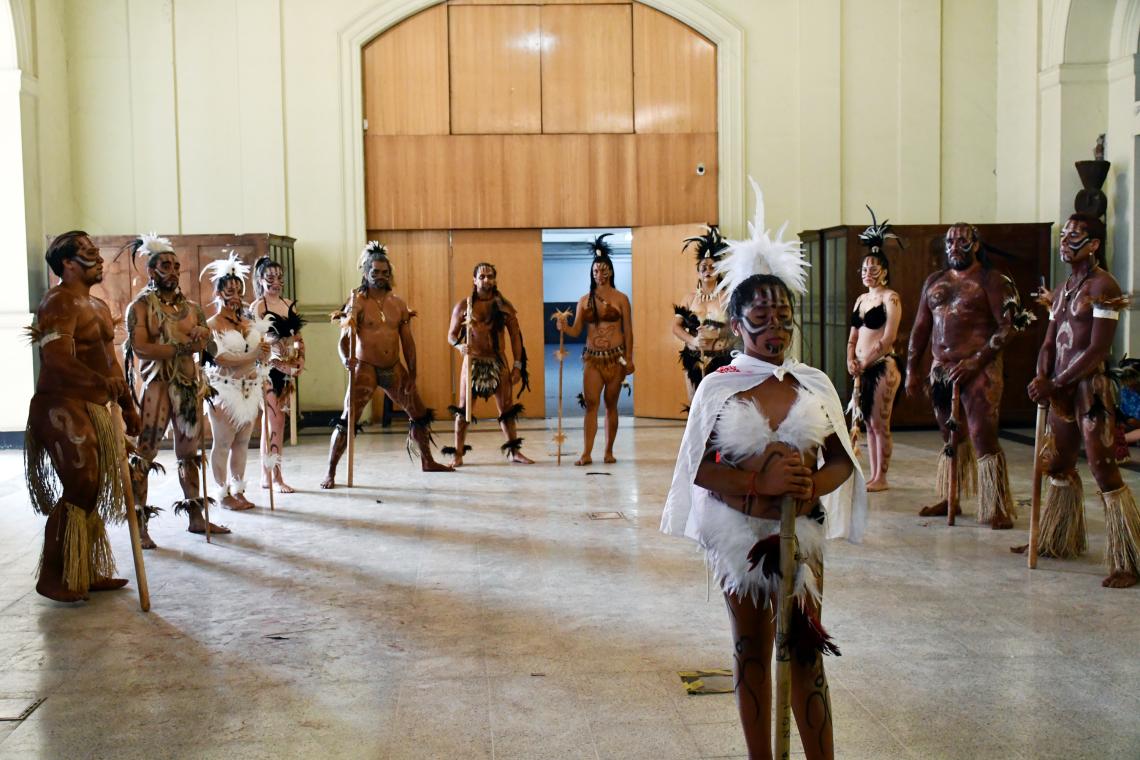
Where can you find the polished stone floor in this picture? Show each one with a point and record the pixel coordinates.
(482, 614)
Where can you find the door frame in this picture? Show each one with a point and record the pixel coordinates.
(721, 31)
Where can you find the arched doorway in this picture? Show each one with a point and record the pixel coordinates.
(484, 124)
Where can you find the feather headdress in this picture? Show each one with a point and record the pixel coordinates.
(707, 246)
(371, 250)
(763, 254)
(875, 237)
(600, 248)
(228, 267)
(150, 243)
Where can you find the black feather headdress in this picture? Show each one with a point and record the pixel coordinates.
(875, 237)
(707, 246)
(600, 248)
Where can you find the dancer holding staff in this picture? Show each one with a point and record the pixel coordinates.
(762, 430)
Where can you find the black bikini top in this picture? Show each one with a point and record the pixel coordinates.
(287, 326)
(873, 319)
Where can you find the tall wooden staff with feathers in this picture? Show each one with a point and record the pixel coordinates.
(560, 437)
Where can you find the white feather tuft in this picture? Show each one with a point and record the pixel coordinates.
(741, 430)
(152, 243)
(271, 461)
(230, 266)
(763, 254)
(371, 248)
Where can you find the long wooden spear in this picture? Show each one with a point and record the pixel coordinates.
(351, 404)
(1038, 472)
(955, 438)
(129, 504)
(788, 562)
(560, 437)
(269, 458)
(468, 401)
(205, 497)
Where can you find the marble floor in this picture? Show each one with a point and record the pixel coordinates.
(482, 614)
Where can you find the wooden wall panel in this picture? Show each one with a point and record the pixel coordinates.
(674, 75)
(495, 77)
(669, 188)
(406, 77)
(517, 256)
(528, 181)
(420, 266)
(662, 276)
(539, 2)
(587, 68)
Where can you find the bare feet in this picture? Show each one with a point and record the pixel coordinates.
(108, 584)
(877, 484)
(456, 461)
(58, 592)
(198, 525)
(329, 481)
(430, 465)
(938, 510)
(1020, 549)
(583, 461)
(145, 541)
(519, 458)
(235, 502)
(1117, 579)
(283, 487)
(609, 459)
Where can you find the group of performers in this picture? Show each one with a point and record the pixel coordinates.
(766, 447)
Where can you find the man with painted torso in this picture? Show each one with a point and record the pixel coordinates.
(967, 314)
(375, 332)
(480, 339)
(72, 438)
(165, 331)
(1071, 379)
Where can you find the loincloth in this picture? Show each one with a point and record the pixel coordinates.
(238, 397)
(869, 383)
(610, 363)
(486, 375)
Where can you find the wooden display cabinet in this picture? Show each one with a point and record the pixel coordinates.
(836, 254)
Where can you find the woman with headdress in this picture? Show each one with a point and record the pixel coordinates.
(762, 429)
(701, 323)
(871, 357)
(608, 356)
(236, 375)
(287, 359)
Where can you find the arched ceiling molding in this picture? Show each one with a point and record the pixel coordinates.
(1088, 31)
(1125, 29)
(9, 56)
(16, 15)
(1054, 25)
(723, 32)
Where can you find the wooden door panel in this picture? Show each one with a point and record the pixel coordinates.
(674, 75)
(405, 72)
(662, 276)
(495, 76)
(587, 68)
(517, 256)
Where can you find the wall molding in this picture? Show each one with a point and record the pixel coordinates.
(721, 31)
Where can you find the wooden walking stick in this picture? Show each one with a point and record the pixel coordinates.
(955, 437)
(856, 412)
(129, 504)
(560, 437)
(468, 401)
(270, 458)
(350, 405)
(1038, 472)
(205, 497)
(788, 561)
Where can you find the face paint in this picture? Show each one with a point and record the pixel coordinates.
(380, 275)
(1074, 238)
(766, 324)
(960, 248)
(485, 280)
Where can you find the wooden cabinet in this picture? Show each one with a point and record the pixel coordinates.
(824, 314)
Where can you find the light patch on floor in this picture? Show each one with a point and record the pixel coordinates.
(414, 628)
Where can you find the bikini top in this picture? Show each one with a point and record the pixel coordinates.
(873, 319)
(606, 313)
(742, 430)
(233, 342)
(287, 326)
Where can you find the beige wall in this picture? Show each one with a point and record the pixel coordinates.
(171, 124)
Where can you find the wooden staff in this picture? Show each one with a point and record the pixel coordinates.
(955, 437)
(856, 413)
(469, 402)
(1038, 472)
(560, 437)
(132, 516)
(788, 561)
(349, 416)
(205, 496)
(270, 458)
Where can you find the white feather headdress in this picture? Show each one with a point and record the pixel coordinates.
(151, 243)
(228, 267)
(371, 248)
(763, 254)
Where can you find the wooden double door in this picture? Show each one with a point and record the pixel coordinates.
(434, 271)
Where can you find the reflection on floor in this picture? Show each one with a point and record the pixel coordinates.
(482, 614)
(572, 385)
